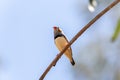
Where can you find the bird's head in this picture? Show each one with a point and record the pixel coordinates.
(57, 31)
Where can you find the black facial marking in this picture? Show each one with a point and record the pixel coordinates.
(59, 35)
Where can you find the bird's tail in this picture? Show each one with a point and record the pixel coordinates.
(72, 62)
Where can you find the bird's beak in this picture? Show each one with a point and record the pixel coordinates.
(54, 27)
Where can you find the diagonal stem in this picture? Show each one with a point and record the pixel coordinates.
(77, 36)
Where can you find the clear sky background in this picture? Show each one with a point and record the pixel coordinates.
(26, 35)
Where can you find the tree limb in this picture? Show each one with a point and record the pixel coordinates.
(77, 36)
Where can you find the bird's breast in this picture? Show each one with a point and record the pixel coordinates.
(61, 42)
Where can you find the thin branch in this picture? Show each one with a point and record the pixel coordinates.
(77, 36)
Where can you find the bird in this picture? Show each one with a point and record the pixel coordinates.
(60, 42)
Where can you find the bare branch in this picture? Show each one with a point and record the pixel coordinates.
(77, 36)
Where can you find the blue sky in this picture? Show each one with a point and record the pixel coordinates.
(27, 43)
(26, 36)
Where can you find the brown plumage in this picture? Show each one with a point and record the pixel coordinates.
(61, 41)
